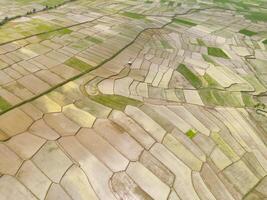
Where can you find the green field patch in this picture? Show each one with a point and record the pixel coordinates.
(208, 97)
(134, 15)
(184, 22)
(165, 44)
(12, 30)
(227, 150)
(190, 76)
(94, 39)
(49, 3)
(191, 133)
(64, 31)
(264, 41)
(215, 97)
(4, 105)
(257, 16)
(247, 32)
(226, 98)
(171, 3)
(61, 32)
(200, 42)
(78, 64)
(115, 101)
(217, 52)
(42, 26)
(52, 3)
(211, 82)
(248, 100)
(257, 85)
(81, 44)
(208, 59)
(24, 1)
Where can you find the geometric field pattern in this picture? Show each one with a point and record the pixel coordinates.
(133, 100)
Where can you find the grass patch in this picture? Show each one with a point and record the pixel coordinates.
(78, 64)
(217, 52)
(4, 105)
(115, 101)
(247, 32)
(264, 41)
(184, 22)
(191, 133)
(134, 15)
(190, 76)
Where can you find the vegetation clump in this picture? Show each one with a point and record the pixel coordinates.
(191, 133)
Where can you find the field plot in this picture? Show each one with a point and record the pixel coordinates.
(133, 100)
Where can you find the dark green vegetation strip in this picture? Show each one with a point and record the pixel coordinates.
(247, 32)
(4, 104)
(133, 15)
(78, 64)
(264, 41)
(217, 52)
(115, 101)
(190, 76)
(184, 22)
(191, 133)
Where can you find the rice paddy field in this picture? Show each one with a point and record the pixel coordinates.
(133, 100)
